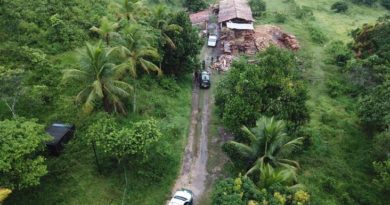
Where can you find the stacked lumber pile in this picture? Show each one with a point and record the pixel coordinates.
(223, 63)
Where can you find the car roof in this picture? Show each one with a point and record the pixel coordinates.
(183, 193)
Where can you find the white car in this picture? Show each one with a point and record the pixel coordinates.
(212, 42)
(182, 197)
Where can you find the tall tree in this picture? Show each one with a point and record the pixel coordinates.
(183, 58)
(137, 51)
(106, 29)
(268, 144)
(131, 10)
(98, 79)
(161, 20)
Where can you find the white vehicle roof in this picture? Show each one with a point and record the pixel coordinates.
(180, 198)
(213, 37)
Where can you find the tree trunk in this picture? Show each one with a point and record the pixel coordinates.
(106, 103)
(108, 39)
(134, 101)
(12, 107)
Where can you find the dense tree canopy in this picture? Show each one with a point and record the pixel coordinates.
(21, 165)
(182, 58)
(54, 25)
(269, 87)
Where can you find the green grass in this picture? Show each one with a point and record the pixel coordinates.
(73, 177)
(336, 168)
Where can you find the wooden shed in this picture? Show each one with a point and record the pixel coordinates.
(235, 12)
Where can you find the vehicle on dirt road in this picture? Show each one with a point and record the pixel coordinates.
(212, 41)
(182, 197)
(204, 81)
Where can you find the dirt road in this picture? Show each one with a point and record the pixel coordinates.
(193, 174)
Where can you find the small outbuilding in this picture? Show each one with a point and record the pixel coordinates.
(235, 14)
(61, 134)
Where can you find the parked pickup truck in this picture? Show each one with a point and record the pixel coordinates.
(212, 41)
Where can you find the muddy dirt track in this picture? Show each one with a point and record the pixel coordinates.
(193, 174)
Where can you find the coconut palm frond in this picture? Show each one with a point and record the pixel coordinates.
(252, 137)
(149, 66)
(169, 41)
(98, 88)
(83, 94)
(116, 90)
(74, 74)
(89, 103)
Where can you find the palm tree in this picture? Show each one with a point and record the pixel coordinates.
(136, 51)
(270, 176)
(131, 10)
(160, 19)
(106, 29)
(268, 144)
(98, 79)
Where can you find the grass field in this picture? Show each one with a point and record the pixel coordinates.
(336, 168)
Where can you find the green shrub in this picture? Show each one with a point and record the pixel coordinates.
(258, 7)
(280, 17)
(382, 180)
(339, 53)
(339, 7)
(316, 34)
(303, 12)
(336, 88)
(381, 145)
(374, 108)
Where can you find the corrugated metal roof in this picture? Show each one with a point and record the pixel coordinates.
(231, 9)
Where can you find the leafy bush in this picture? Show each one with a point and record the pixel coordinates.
(339, 53)
(121, 143)
(381, 145)
(373, 39)
(374, 108)
(316, 34)
(336, 88)
(339, 6)
(382, 180)
(242, 191)
(280, 17)
(258, 7)
(21, 164)
(303, 12)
